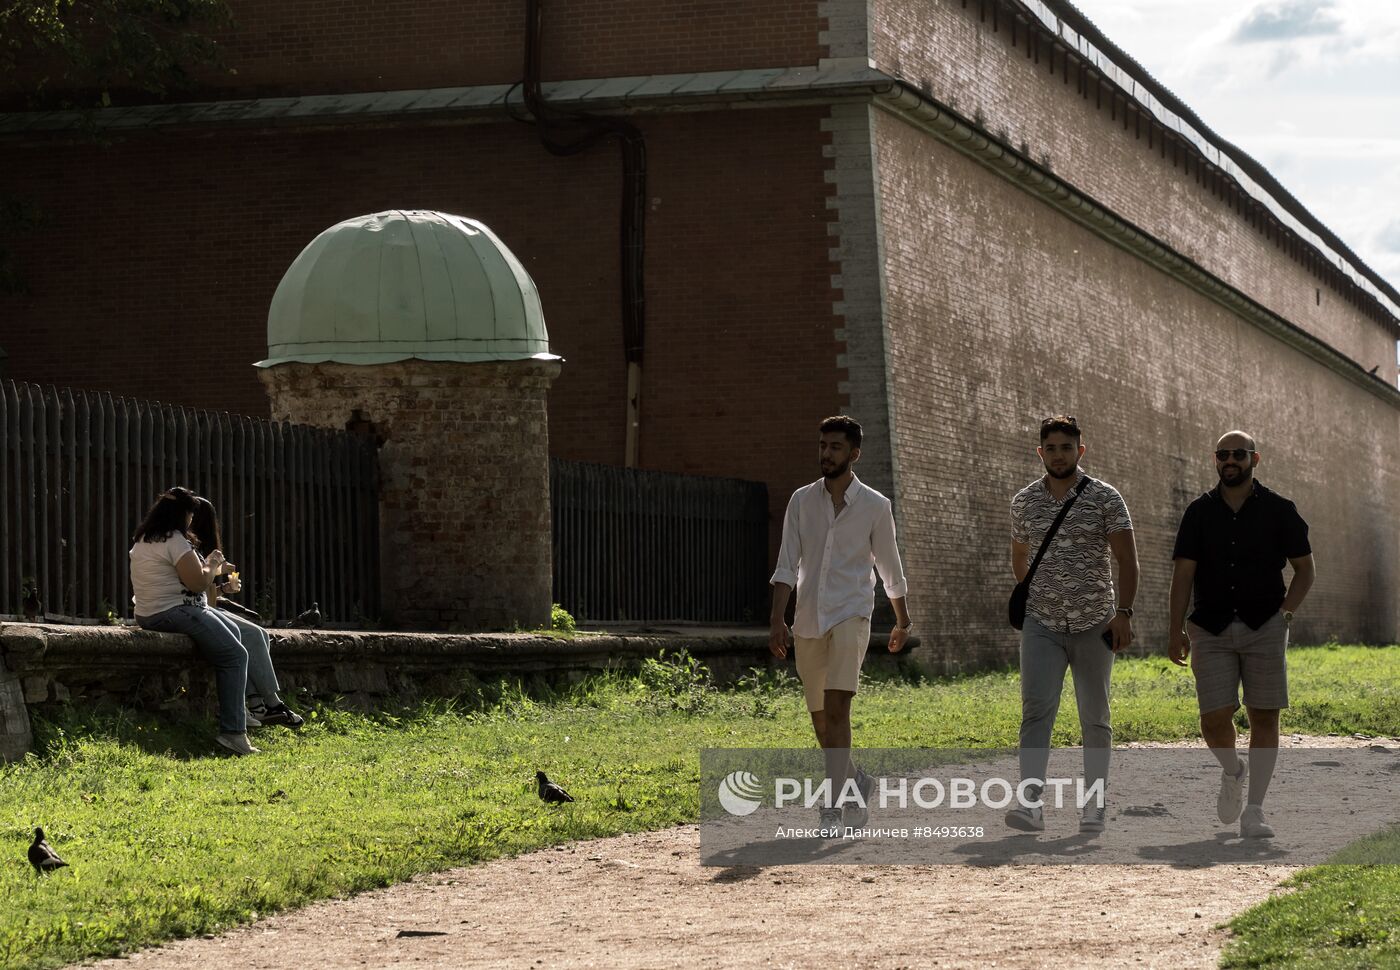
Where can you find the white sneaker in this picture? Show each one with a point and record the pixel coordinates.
(237, 743)
(1231, 798)
(854, 815)
(1253, 826)
(1026, 819)
(250, 722)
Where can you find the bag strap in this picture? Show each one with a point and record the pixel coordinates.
(1055, 527)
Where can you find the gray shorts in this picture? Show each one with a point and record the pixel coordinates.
(1239, 655)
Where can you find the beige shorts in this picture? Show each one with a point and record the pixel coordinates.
(1256, 659)
(832, 662)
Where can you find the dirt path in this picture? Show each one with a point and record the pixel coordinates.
(644, 901)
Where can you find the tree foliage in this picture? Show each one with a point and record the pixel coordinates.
(85, 52)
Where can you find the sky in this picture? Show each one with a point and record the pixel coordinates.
(1310, 88)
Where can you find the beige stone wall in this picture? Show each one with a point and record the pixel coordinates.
(1001, 310)
(464, 481)
(951, 50)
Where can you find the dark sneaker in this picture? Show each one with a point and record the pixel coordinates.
(1093, 818)
(282, 714)
(1026, 819)
(866, 784)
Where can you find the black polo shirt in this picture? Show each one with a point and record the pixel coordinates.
(1240, 556)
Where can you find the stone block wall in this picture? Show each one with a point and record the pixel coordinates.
(464, 481)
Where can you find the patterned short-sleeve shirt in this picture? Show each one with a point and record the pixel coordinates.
(1073, 587)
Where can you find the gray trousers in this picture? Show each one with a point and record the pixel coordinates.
(1045, 654)
(237, 649)
(262, 679)
(219, 642)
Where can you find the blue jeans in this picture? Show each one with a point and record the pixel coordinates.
(262, 679)
(218, 641)
(1045, 653)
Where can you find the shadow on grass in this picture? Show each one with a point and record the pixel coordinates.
(158, 734)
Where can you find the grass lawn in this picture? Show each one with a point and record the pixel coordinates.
(167, 840)
(1338, 917)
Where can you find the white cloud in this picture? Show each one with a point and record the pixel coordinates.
(1288, 19)
(1388, 239)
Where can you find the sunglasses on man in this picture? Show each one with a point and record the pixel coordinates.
(1239, 454)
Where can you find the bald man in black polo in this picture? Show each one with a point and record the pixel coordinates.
(1231, 548)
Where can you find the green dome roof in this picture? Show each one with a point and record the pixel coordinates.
(401, 284)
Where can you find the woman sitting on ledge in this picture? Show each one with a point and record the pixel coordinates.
(168, 582)
(264, 704)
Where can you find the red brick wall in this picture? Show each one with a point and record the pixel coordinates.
(281, 47)
(975, 70)
(153, 274)
(1001, 311)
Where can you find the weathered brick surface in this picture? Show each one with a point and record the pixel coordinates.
(945, 48)
(1000, 311)
(787, 277)
(283, 48)
(464, 481)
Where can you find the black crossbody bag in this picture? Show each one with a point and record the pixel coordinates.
(1016, 608)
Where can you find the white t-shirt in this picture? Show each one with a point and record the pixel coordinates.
(155, 582)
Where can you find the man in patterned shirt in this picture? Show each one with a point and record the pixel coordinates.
(1071, 613)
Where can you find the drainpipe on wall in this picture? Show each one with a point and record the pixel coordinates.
(587, 130)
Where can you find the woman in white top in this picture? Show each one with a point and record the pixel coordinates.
(264, 704)
(169, 582)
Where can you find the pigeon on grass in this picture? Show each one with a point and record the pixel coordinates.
(551, 793)
(43, 858)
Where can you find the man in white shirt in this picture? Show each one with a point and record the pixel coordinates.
(836, 529)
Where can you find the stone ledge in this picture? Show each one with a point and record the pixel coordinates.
(35, 648)
(43, 664)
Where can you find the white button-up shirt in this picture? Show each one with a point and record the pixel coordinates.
(829, 557)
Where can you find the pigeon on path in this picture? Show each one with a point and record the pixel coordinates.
(550, 792)
(42, 857)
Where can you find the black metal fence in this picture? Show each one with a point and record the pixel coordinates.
(298, 505)
(646, 546)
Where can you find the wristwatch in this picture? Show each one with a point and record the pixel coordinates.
(906, 630)
(1288, 617)
(1126, 611)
